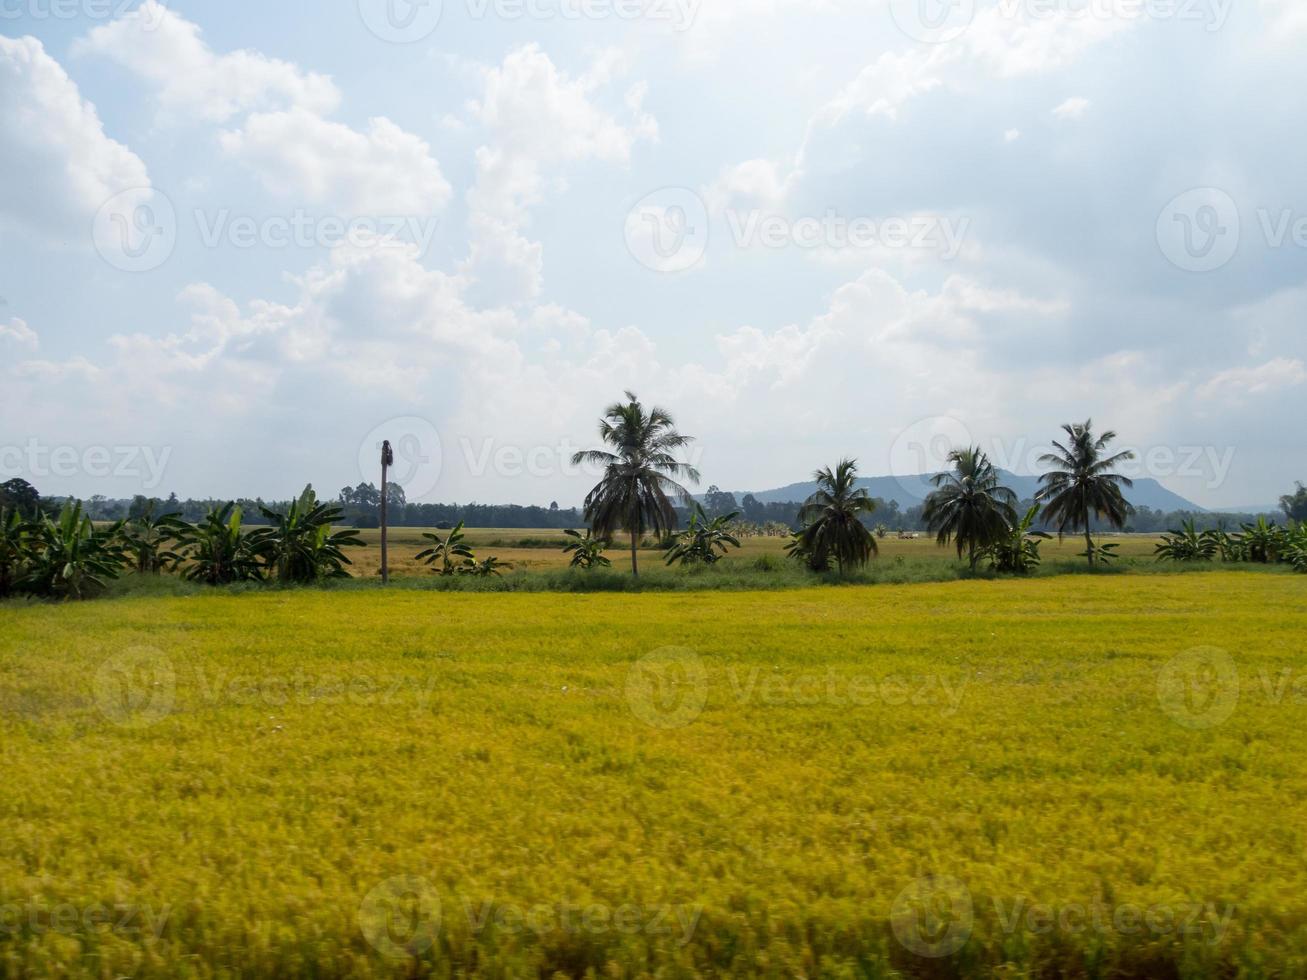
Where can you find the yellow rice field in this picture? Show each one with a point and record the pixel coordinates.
(1064, 777)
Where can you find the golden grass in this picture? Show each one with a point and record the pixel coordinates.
(1061, 777)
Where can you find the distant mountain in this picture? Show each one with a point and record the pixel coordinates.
(911, 491)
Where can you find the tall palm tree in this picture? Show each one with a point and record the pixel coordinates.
(638, 485)
(832, 520)
(1082, 483)
(969, 506)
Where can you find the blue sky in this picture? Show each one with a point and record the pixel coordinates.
(239, 243)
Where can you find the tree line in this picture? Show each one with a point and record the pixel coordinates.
(50, 547)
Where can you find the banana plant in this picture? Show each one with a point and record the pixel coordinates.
(146, 542)
(14, 552)
(70, 558)
(215, 551)
(703, 539)
(1295, 547)
(1102, 553)
(1231, 547)
(1188, 544)
(300, 546)
(485, 568)
(1263, 541)
(449, 554)
(1018, 552)
(586, 550)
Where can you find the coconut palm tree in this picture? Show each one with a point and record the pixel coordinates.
(638, 485)
(1082, 484)
(832, 521)
(969, 506)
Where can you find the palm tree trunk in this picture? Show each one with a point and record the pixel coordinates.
(973, 557)
(635, 568)
(1089, 545)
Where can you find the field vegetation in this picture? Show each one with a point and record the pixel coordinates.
(1031, 777)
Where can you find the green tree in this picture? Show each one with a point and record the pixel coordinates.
(1294, 505)
(832, 519)
(1082, 486)
(969, 507)
(717, 502)
(19, 495)
(636, 491)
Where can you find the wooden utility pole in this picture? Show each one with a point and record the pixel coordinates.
(387, 460)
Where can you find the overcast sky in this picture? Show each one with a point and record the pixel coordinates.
(242, 242)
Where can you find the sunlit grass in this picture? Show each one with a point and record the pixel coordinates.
(248, 782)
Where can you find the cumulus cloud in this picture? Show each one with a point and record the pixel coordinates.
(18, 334)
(59, 166)
(537, 118)
(192, 81)
(283, 134)
(383, 171)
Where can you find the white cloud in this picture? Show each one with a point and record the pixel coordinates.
(882, 87)
(1073, 108)
(17, 333)
(537, 118)
(1234, 384)
(283, 137)
(59, 166)
(383, 171)
(191, 80)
